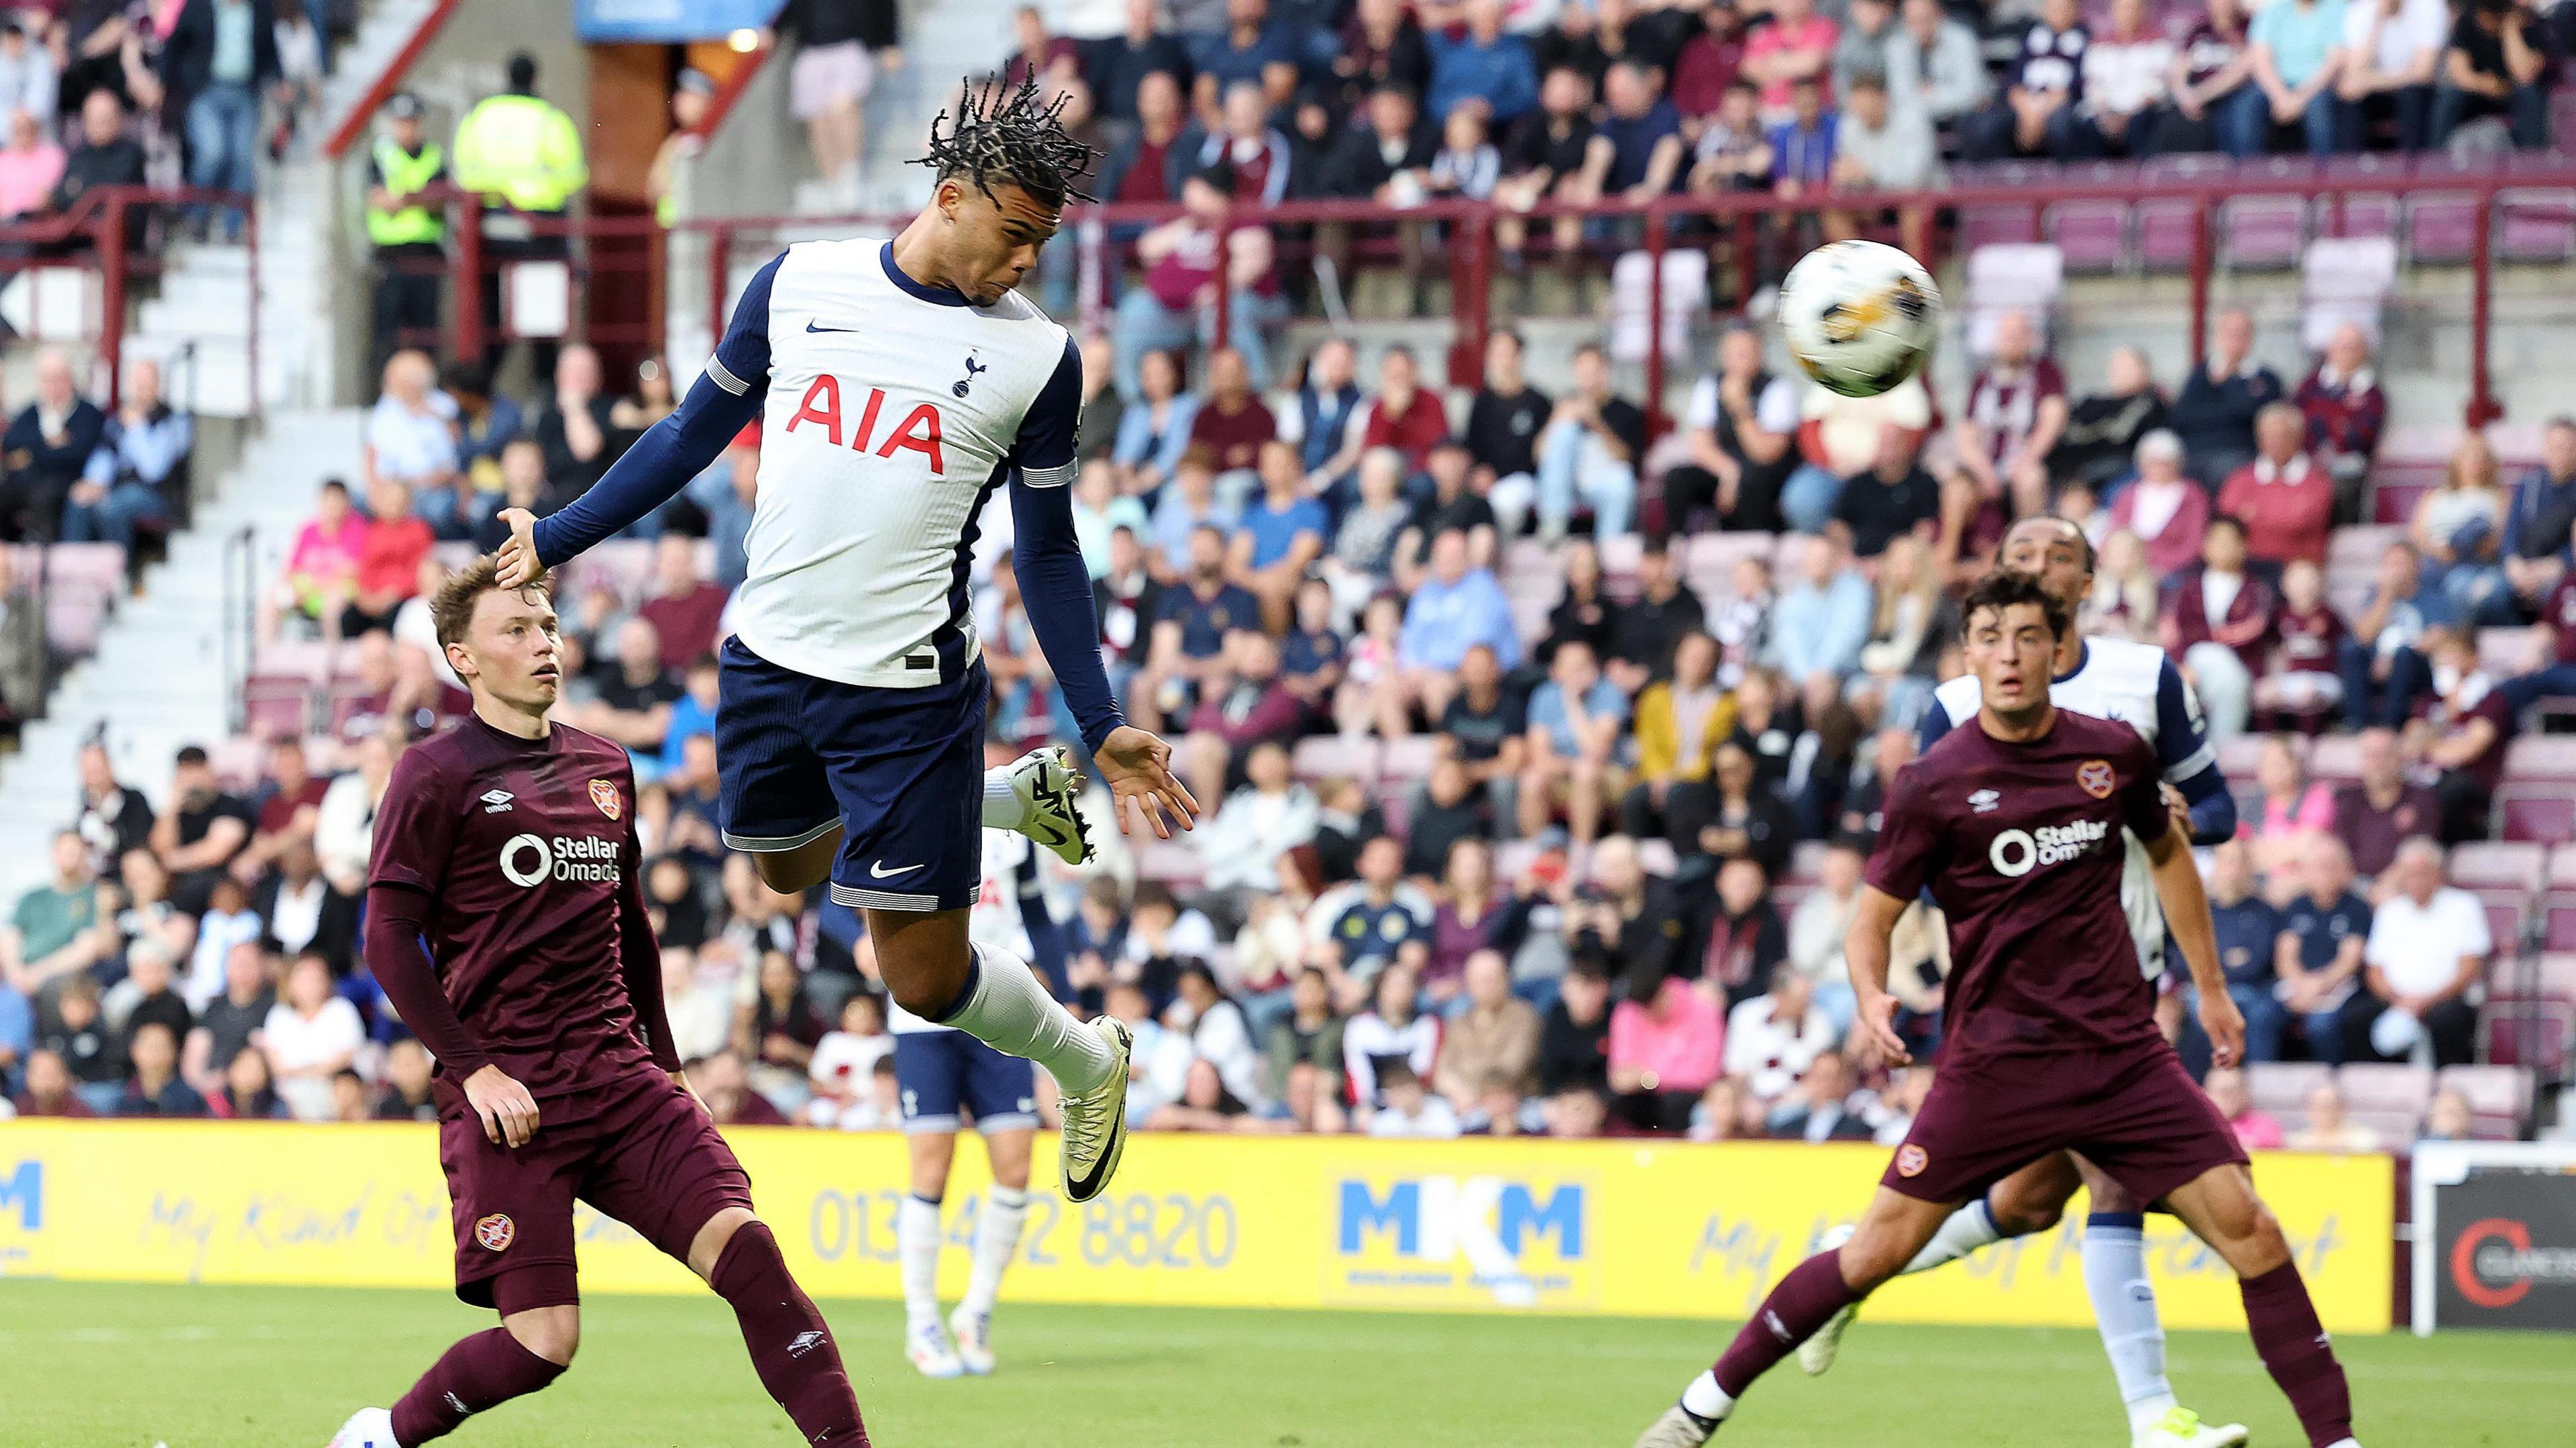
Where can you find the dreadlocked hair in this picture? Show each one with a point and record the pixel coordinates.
(1017, 137)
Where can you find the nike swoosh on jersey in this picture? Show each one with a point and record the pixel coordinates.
(811, 327)
(879, 871)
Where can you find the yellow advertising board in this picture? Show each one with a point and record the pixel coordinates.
(1626, 1227)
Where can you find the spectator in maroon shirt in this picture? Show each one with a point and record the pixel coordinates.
(1245, 140)
(1036, 53)
(286, 811)
(2166, 510)
(47, 1088)
(1232, 421)
(2283, 498)
(2384, 809)
(1404, 415)
(1247, 704)
(2462, 734)
(2218, 625)
(2345, 409)
(1139, 169)
(687, 608)
(1710, 61)
(2016, 410)
(2304, 680)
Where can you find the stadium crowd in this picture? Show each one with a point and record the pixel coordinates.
(1541, 755)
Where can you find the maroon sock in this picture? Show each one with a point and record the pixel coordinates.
(791, 1347)
(479, 1372)
(2293, 1344)
(1804, 1301)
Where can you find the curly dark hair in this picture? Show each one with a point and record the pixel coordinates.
(1016, 137)
(2002, 589)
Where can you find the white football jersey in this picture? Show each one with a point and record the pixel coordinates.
(2135, 684)
(995, 920)
(894, 409)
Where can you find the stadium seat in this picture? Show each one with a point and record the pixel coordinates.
(2164, 224)
(2497, 1095)
(2345, 279)
(1685, 298)
(2395, 489)
(2558, 901)
(2025, 276)
(2528, 1033)
(2498, 864)
(238, 762)
(277, 705)
(2390, 1099)
(1336, 756)
(2281, 1088)
(2371, 215)
(2093, 234)
(2508, 910)
(2265, 233)
(1408, 760)
(2334, 758)
(2538, 796)
(308, 659)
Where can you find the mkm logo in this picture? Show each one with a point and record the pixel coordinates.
(23, 1191)
(1474, 1241)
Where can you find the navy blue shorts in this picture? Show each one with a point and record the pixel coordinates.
(941, 1071)
(900, 770)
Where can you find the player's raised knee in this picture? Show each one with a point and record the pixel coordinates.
(552, 1333)
(709, 1243)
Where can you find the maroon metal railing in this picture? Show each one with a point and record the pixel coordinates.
(117, 229)
(1736, 222)
(354, 125)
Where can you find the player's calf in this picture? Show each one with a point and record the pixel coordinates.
(791, 1346)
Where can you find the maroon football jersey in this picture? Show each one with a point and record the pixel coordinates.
(522, 846)
(2020, 844)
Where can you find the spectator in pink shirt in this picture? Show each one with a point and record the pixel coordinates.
(1797, 45)
(1664, 1047)
(2293, 804)
(322, 569)
(29, 167)
(2255, 1130)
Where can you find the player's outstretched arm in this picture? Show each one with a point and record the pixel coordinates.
(727, 397)
(2186, 906)
(1865, 950)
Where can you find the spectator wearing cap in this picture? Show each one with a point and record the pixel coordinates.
(45, 450)
(408, 234)
(1590, 449)
(2215, 410)
(2284, 499)
(31, 165)
(692, 94)
(1176, 304)
(219, 60)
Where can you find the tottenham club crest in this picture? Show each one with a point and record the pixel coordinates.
(959, 387)
(604, 795)
(2093, 774)
(495, 1232)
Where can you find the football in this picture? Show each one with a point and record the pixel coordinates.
(1859, 317)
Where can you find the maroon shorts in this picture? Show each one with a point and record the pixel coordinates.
(638, 1149)
(2138, 1116)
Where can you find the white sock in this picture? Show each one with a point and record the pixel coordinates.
(1705, 1399)
(1003, 807)
(1969, 1228)
(2124, 1305)
(2346, 1443)
(916, 1232)
(1009, 1010)
(997, 1241)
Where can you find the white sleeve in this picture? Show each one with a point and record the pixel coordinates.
(1702, 411)
(2475, 938)
(1777, 409)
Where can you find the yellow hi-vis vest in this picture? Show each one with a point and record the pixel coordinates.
(523, 149)
(405, 175)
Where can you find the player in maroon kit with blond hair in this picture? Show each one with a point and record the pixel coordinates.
(505, 919)
(2050, 1041)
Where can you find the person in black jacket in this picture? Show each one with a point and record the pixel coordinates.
(43, 452)
(1117, 66)
(104, 156)
(221, 56)
(1393, 142)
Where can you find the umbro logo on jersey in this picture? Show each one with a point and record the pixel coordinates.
(497, 800)
(1984, 801)
(812, 326)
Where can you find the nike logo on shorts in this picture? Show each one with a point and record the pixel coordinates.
(880, 872)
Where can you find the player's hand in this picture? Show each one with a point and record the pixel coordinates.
(2224, 1024)
(1138, 767)
(2178, 807)
(1874, 1024)
(517, 554)
(509, 1113)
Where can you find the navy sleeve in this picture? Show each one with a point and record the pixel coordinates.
(2190, 765)
(1054, 582)
(1935, 724)
(1047, 952)
(727, 397)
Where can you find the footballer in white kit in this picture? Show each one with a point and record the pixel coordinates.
(899, 382)
(2134, 684)
(947, 1078)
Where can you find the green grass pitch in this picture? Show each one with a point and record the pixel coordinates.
(92, 1366)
